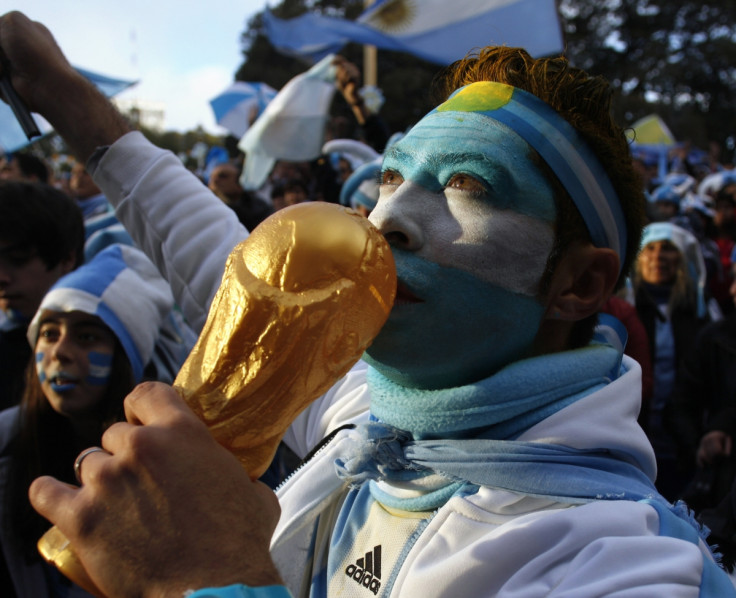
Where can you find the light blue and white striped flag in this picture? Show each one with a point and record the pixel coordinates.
(439, 31)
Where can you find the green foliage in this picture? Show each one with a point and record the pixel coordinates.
(673, 57)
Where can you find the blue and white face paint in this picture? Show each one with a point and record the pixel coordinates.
(40, 357)
(471, 222)
(100, 368)
(74, 355)
(471, 219)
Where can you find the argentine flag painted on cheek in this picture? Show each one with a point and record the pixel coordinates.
(100, 367)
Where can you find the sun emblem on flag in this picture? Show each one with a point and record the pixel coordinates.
(394, 16)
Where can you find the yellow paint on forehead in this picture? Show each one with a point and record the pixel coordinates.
(478, 97)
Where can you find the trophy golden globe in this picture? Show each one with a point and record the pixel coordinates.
(300, 300)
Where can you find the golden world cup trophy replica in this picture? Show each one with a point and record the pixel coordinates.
(300, 300)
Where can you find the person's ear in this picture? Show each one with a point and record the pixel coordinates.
(582, 282)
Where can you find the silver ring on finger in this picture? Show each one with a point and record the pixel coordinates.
(82, 456)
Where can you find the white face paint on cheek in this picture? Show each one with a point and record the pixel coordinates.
(502, 247)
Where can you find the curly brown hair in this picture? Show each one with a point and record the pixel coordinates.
(585, 102)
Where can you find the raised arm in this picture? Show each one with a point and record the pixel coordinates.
(185, 230)
(49, 85)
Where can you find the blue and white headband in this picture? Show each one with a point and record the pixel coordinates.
(560, 146)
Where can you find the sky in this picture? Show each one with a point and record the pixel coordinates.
(181, 53)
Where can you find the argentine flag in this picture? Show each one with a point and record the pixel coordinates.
(439, 31)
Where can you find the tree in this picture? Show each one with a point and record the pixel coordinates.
(673, 57)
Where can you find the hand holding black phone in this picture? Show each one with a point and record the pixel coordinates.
(22, 114)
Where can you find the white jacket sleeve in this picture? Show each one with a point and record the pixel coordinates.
(173, 217)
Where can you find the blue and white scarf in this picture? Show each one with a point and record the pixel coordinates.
(493, 412)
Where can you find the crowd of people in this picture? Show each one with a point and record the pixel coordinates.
(500, 437)
(684, 291)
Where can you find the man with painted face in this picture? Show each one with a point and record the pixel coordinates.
(491, 446)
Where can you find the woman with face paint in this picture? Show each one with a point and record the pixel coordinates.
(92, 336)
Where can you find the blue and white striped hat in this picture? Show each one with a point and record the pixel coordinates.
(123, 288)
